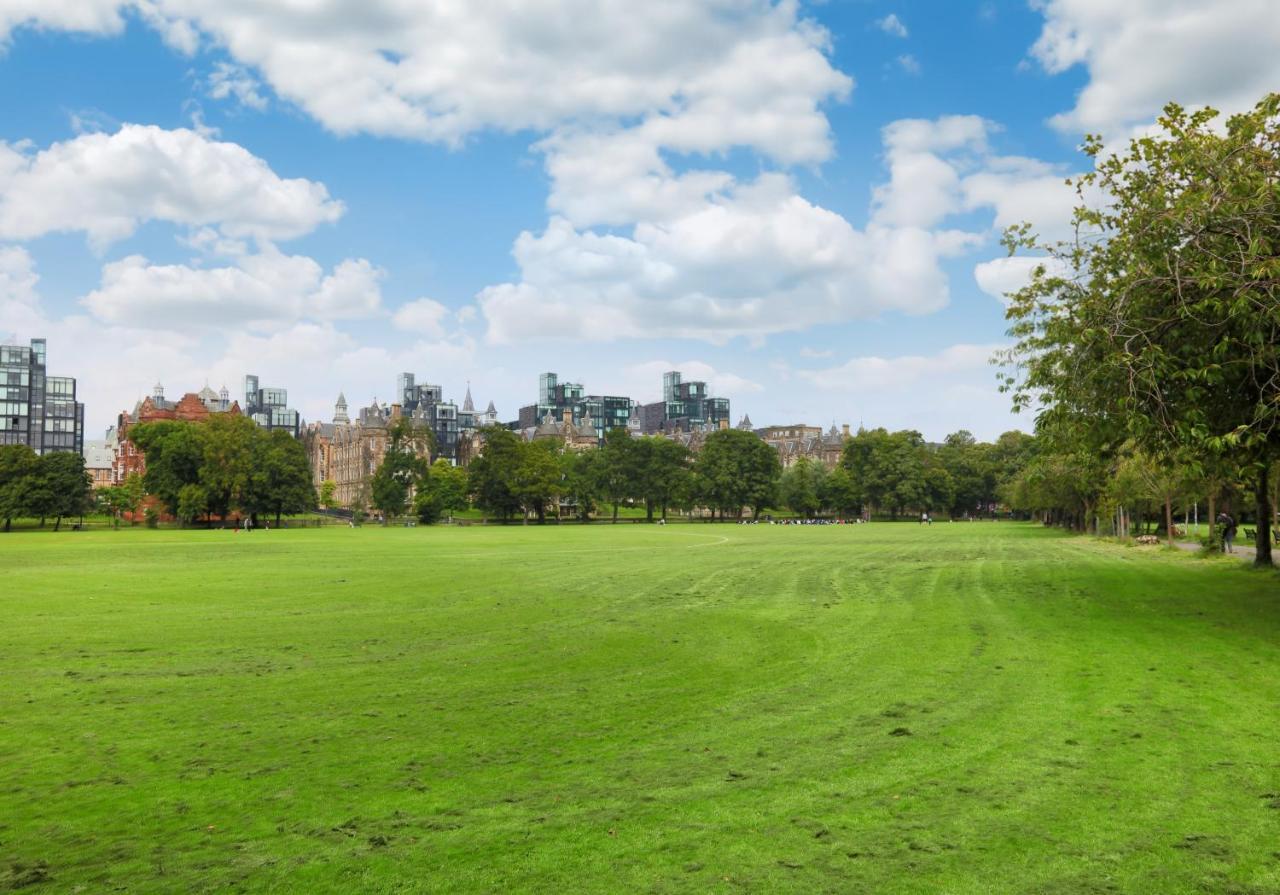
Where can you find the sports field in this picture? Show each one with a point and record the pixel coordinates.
(963, 708)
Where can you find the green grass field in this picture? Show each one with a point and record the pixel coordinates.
(964, 708)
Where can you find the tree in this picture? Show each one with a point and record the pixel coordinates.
(838, 493)
(395, 481)
(490, 474)
(580, 478)
(193, 502)
(443, 490)
(667, 476)
(328, 488)
(449, 484)
(280, 481)
(537, 477)
(18, 464)
(126, 497)
(227, 463)
(174, 453)
(736, 469)
(1163, 317)
(71, 486)
(619, 471)
(801, 487)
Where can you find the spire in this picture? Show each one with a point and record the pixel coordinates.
(340, 410)
(491, 410)
(467, 406)
(158, 391)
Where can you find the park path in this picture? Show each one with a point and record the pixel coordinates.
(1247, 553)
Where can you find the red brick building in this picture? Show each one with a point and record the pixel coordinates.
(194, 407)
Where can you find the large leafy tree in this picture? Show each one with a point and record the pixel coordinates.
(490, 475)
(18, 464)
(1162, 319)
(392, 486)
(63, 478)
(735, 469)
(227, 467)
(175, 453)
(621, 468)
(580, 478)
(537, 480)
(444, 490)
(280, 481)
(802, 487)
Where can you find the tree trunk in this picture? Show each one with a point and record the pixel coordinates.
(1213, 517)
(1168, 520)
(615, 513)
(1262, 556)
(277, 518)
(648, 510)
(57, 523)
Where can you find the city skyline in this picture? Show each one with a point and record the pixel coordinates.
(799, 204)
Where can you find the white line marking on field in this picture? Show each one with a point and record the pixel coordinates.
(723, 540)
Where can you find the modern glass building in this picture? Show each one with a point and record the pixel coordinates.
(269, 407)
(685, 407)
(36, 409)
(602, 412)
(426, 402)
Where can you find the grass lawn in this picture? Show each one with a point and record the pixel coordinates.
(963, 708)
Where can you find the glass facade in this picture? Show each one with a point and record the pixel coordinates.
(602, 412)
(426, 402)
(269, 407)
(685, 406)
(37, 410)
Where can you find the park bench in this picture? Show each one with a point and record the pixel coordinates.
(1250, 534)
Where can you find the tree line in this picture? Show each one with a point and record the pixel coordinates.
(223, 466)
(1149, 343)
(879, 471)
(53, 486)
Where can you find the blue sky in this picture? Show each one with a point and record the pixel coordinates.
(798, 202)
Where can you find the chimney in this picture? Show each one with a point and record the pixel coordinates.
(568, 415)
(845, 430)
(724, 424)
(395, 411)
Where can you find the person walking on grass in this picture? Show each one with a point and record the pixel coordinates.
(1228, 524)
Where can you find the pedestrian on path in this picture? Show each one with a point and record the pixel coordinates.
(1228, 524)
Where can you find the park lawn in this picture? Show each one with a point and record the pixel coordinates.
(960, 708)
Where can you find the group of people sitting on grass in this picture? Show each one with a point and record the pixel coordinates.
(772, 521)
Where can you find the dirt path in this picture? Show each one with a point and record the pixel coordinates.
(1246, 553)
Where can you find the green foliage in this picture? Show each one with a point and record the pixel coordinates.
(280, 476)
(443, 491)
(398, 476)
(1160, 324)
(18, 464)
(174, 456)
(193, 502)
(537, 482)
(580, 475)
(491, 474)
(803, 486)
(328, 488)
(736, 469)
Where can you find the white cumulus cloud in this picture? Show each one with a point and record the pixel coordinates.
(106, 185)
(260, 288)
(1141, 54)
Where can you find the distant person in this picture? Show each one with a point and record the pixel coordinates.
(1228, 524)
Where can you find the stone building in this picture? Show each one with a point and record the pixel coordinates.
(348, 452)
(579, 436)
(99, 460)
(798, 440)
